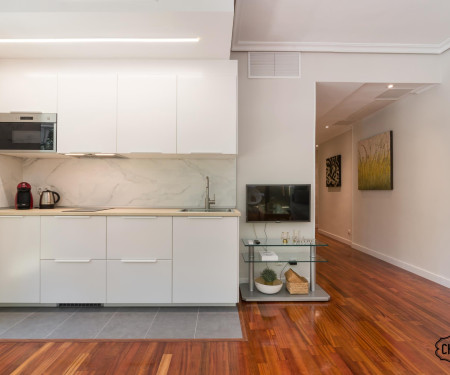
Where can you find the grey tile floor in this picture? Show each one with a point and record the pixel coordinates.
(120, 323)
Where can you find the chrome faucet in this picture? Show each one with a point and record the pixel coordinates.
(208, 201)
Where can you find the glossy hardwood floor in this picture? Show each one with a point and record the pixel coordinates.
(380, 320)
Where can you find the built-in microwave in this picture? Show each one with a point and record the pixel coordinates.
(27, 132)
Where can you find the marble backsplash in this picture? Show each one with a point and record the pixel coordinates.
(10, 176)
(159, 183)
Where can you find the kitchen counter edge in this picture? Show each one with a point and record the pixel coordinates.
(117, 212)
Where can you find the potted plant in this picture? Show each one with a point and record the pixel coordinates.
(268, 283)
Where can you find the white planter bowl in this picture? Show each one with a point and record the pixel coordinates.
(268, 289)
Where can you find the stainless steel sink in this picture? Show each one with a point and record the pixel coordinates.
(206, 210)
(87, 209)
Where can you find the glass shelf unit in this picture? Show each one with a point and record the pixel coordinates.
(284, 257)
(289, 251)
(276, 242)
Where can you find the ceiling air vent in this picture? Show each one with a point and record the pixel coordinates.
(343, 123)
(273, 65)
(393, 94)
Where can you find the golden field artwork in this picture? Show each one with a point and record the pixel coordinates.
(375, 162)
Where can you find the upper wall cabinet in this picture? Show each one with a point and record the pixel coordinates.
(28, 93)
(146, 114)
(206, 114)
(87, 113)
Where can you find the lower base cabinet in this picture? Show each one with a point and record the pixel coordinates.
(205, 260)
(139, 281)
(73, 281)
(19, 259)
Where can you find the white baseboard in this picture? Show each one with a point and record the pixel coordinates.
(406, 266)
(335, 237)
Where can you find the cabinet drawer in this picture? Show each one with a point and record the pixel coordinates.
(73, 282)
(73, 237)
(139, 281)
(139, 237)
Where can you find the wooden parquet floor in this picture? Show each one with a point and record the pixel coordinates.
(380, 320)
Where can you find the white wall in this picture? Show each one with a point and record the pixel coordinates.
(10, 177)
(335, 204)
(277, 121)
(408, 226)
(276, 145)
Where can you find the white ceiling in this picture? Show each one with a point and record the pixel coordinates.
(339, 105)
(210, 20)
(387, 26)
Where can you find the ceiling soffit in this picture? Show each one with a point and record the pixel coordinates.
(403, 26)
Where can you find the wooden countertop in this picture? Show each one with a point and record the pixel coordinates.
(62, 211)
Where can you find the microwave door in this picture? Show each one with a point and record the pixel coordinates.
(47, 137)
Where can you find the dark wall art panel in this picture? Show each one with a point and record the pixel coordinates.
(334, 171)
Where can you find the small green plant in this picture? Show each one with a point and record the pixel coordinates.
(269, 276)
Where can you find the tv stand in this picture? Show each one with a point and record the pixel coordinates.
(285, 254)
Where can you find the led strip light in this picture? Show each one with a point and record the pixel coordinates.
(100, 40)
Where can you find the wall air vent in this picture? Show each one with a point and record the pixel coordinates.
(393, 94)
(274, 65)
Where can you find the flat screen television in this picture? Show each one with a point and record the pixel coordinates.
(276, 203)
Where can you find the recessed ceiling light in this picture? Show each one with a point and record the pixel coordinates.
(100, 40)
(74, 154)
(390, 86)
(326, 127)
(107, 154)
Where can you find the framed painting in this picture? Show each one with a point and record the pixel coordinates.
(333, 173)
(375, 168)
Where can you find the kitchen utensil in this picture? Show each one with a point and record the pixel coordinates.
(47, 199)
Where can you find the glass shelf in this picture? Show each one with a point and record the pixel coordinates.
(284, 257)
(276, 242)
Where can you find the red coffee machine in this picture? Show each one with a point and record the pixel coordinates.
(24, 198)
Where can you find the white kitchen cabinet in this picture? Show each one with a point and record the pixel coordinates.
(139, 237)
(205, 260)
(139, 281)
(33, 92)
(146, 114)
(87, 113)
(73, 281)
(19, 259)
(206, 114)
(73, 237)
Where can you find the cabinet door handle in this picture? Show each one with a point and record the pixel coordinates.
(72, 217)
(138, 260)
(72, 260)
(139, 217)
(9, 217)
(205, 217)
(205, 152)
(143, 152)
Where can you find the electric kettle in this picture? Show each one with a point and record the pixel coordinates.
(48, 199)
